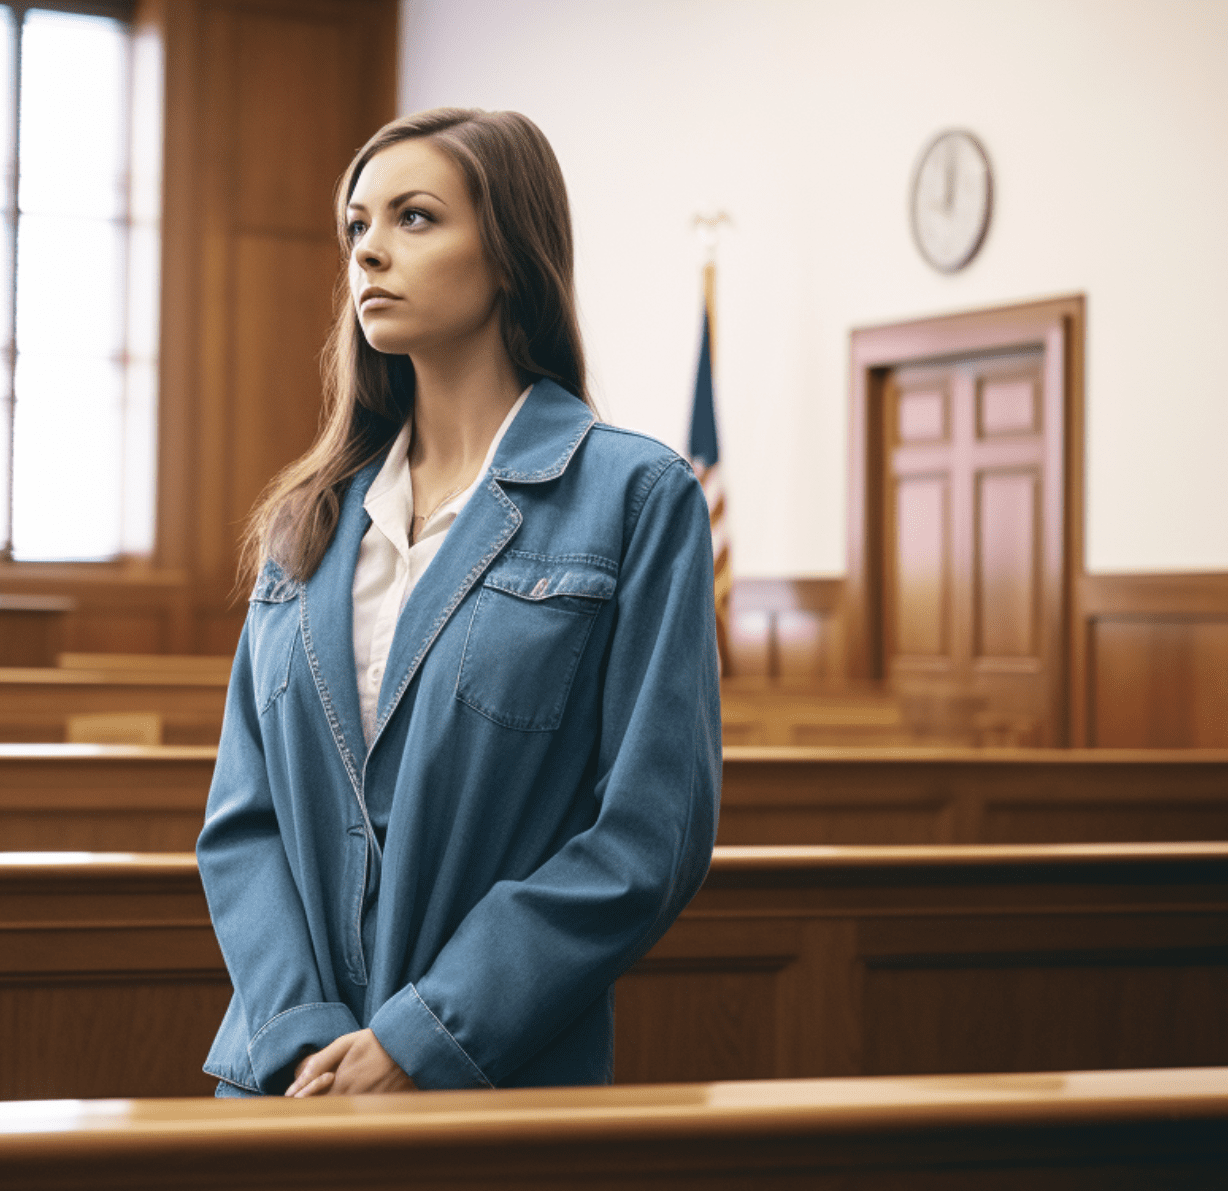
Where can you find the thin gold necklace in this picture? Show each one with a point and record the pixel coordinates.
(426, 517)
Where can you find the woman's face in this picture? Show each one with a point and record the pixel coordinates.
(419, 276)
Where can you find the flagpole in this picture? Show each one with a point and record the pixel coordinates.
(707, 227)
(710, 306)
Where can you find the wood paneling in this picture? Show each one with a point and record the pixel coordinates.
(32, 629)
(1152, 667)
(972, 796)
(865, 961)
(786, 632)
(1085, 1130)
(790, 962)
(284, 288)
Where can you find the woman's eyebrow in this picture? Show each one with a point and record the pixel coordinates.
(400, 198)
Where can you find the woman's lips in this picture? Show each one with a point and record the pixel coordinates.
(374, 298)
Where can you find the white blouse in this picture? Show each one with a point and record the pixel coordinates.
(389, 567)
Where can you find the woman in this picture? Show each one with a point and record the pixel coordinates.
(454, 802)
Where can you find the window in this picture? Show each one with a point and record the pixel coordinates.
(78, 287)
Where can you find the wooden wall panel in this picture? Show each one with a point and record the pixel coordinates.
(1160, 683)
(294, 77)
(283, 287)
(786, 632)
(1152, 668)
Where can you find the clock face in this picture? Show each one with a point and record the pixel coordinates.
(952, 195)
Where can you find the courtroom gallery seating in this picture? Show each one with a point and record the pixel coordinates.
(791, 962)
(53, 703)
(886, 912)
(135, 800)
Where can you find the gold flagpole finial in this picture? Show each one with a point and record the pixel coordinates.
(707, 227)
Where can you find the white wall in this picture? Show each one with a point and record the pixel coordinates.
(1107, 125)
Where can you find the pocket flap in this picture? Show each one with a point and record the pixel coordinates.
(539, 576)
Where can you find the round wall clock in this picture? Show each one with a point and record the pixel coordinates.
(952, 198)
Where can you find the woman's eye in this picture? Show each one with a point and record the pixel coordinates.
(412, 218)
(354, 229)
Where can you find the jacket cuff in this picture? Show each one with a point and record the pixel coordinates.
(293, 1035)
(419, 1043)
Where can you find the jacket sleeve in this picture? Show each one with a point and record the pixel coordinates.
(255, 905)
(534, 953)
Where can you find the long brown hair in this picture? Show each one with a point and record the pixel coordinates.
(518, 192)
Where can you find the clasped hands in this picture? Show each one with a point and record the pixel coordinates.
(353, 1064)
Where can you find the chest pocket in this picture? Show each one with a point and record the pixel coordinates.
(273, 629)
(530, 624)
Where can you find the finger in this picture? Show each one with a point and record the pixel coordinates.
(304, 1073)
(323, 1060)
(317, 1086)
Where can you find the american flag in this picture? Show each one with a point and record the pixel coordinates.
(705, 459)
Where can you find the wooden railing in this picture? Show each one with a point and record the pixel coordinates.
(1084, 1130)
(128, 799)
(972, 796)
(60, 704)
(791, 962)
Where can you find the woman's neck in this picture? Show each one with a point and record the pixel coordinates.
(458, 408)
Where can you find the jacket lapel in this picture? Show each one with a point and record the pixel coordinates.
(536, 447)
(328, 627)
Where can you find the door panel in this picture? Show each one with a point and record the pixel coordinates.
(964, 540)
(1007, 565)
(922, 596)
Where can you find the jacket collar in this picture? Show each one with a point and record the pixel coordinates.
(537, 447)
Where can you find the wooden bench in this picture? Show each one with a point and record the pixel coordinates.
(154, 663)
(783, 717)
(129, 799)
(1065, 1132)
(102, 798)
(39, 705)
(789, 963)
(32, 627)
(967, 796)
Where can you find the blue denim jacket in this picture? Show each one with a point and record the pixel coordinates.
(539, 801)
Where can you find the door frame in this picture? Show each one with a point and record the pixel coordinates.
(1056, 326)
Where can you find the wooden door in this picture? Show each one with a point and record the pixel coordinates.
(966, 519)
(963, 540)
